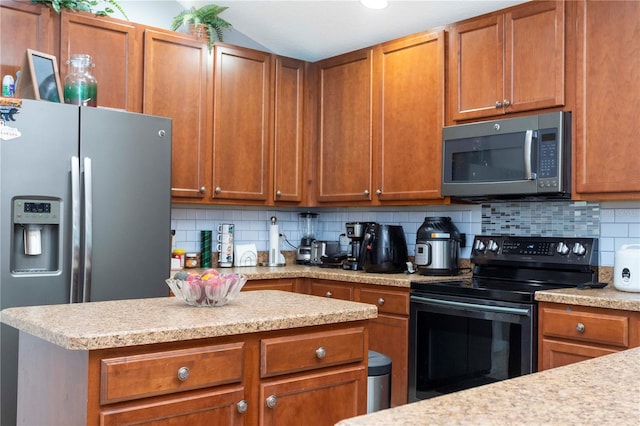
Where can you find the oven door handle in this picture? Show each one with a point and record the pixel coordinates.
(474, 306)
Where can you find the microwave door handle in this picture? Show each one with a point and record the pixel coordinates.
(528, 147)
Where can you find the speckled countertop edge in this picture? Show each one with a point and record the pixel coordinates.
(599, 391)
(607, 297)
(100, 325)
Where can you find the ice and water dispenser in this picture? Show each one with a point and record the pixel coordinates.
(35, 246)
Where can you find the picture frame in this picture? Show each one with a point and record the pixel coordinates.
(39, 78)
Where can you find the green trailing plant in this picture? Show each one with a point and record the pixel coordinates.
(99, 7)
(206, 16)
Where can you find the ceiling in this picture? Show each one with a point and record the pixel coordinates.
(314, 30)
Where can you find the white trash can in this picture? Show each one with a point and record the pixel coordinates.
(378, 382)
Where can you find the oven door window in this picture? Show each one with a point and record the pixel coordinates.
(456, 348)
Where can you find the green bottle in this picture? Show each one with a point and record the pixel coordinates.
(80, 87)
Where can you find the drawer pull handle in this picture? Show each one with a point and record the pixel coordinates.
(381, 301)
(272, 401)
(580, 328)
(321, 352)
(183, 374)
(328, 294)
(242, 406)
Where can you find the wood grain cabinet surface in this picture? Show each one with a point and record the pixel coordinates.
(608, 83)
(507, 62)
(569, 334)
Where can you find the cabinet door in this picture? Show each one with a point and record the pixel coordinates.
(177, 84)
(210, 408)
(556, 353)
(344, 134)
(534, 44)
(288, 138)
(607, 126)
(115, 51)
(241, 129)
(389, 335)
(322, 398)
(23, 26)
(408, 111)
(476, 70)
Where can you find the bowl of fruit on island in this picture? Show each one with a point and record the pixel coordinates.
(210, 288)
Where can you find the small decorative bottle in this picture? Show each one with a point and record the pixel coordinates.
(80, 87)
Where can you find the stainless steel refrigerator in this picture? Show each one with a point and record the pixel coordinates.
(84, 212)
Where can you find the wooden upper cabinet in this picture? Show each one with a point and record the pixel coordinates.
(177, 84)
(115, 52)
(508, 62)
(608, 87)
(344, 128)
(241, 127)
(288, 137)
(24, 26)
(408, 117)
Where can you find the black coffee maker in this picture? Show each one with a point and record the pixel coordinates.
(384, 249)
(355, 232)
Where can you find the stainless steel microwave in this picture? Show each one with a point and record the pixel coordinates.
(519, 157)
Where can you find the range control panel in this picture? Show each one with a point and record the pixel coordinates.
(544, 251)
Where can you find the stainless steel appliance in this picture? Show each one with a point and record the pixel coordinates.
(470, 332)
(307, 224)
(321, 251)
(384, 249)
(527, 156)
(355, 233)
(84, 212)
(438, 243)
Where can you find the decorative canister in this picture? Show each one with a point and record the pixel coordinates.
(80, 87)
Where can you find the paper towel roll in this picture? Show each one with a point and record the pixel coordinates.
(274, 244)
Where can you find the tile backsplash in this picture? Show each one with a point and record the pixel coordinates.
(614, 223)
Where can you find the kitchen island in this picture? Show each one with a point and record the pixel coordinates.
(600, 391)
(259, 358)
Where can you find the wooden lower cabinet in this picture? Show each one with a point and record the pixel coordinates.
(320, 398)
(569, 333)
(388, 334)
(283, 284)
(274, 377)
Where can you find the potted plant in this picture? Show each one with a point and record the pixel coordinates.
(202, 20)
(84, 5)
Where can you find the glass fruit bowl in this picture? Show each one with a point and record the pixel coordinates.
(209, 289)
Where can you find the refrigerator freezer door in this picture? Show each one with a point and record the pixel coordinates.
(130, 205)
(37, 166)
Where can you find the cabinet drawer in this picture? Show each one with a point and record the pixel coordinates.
(391, 302)
(139, 376)
(281, 355)
(336, 291)
(588, 326)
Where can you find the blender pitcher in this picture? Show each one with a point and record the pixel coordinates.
(307, 224)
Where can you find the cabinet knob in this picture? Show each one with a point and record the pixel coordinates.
(278, 193)
(242, 406)
(498, 104)
(506, 103)
(321, 352)
(580, 328)
(328, 294)
(218, 190)
(183, 374)
(381, 301)
(203, 189)
(272, 401)
(378, 192)
(365, 192)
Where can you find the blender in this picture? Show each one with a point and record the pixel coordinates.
(307, 223)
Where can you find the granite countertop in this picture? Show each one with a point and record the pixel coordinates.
(101, 325)
(336, 274)
(599, 391)
(607, 297)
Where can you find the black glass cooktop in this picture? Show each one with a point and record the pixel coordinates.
(481, 288)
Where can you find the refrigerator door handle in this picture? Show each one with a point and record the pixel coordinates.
(88, 229)
(75, 230)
